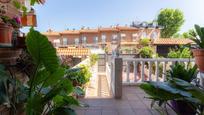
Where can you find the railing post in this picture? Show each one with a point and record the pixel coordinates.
(164, 71)
(117, 74)
(157, 71)
(150, 71)
(142, 73)
(128, 72)
(135, 71)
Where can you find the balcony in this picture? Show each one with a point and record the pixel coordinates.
(115, 91)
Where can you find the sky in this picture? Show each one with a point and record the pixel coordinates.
(59, 15)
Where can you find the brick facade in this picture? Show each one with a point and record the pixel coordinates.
(102, 36)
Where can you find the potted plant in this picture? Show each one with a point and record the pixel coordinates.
(5, 31)
(177, 90)
(198, 38)
(179, 71)
(8, 37)
(9, 30)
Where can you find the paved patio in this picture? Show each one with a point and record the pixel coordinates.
(101, 102)
(132, 103)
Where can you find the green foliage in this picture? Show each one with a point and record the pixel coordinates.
(47, 82)
(177, 87)
(180, 53)
(93, 59)
(4, 78)
(22, 7)
(171, 20)
(79, 76)
(198, 36)
(178, 70)
(188, 34)
(146, 52)
(177, 35)
(144, 42)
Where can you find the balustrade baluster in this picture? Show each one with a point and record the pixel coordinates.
(135, 70)
(142, 72)
(150, 71)
(157, 71)
(164, 71)
(128, 72)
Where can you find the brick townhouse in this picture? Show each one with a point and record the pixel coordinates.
(103, 36)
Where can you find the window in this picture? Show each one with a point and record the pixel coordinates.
(56, 42)
(154, 35)
(144, 35)
(123, 36)
(96, 39)
(134, 37)
(76, 41)
(103, 38)
(65, 41)
(84, 39)
(114, 37)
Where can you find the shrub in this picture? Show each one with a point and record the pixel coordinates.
(79, 76)
(93, 59)
(179, 53)
(144, 42)
(146, 52)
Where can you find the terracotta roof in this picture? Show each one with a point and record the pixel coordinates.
(51, 33)
(70, 32)
(108, 29)
(172, 41)
(73, 51)
(89, 31)
(126, 28)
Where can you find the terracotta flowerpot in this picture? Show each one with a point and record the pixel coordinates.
(199, 58)
(5, 34)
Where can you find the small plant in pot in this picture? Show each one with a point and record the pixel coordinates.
(9, 29)
(198, 38)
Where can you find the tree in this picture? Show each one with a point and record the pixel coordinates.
(188, 34)
(171, 20)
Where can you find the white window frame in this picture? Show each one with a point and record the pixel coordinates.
(123, 36)
(64, 40)
(134, 37)
(96, 39)
(84, 39)
(114, 37)
(144, 35)
(154, 35)
(103, 38)
(76, 41)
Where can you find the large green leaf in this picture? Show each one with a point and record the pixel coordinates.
(41, 50)
(155, 93)
(53, 78)
(35, 105)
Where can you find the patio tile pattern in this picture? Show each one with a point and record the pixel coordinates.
(132, 103)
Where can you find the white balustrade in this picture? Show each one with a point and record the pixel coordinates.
(148, 69)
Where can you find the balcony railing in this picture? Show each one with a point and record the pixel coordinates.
(131, 71)
(136, 70)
